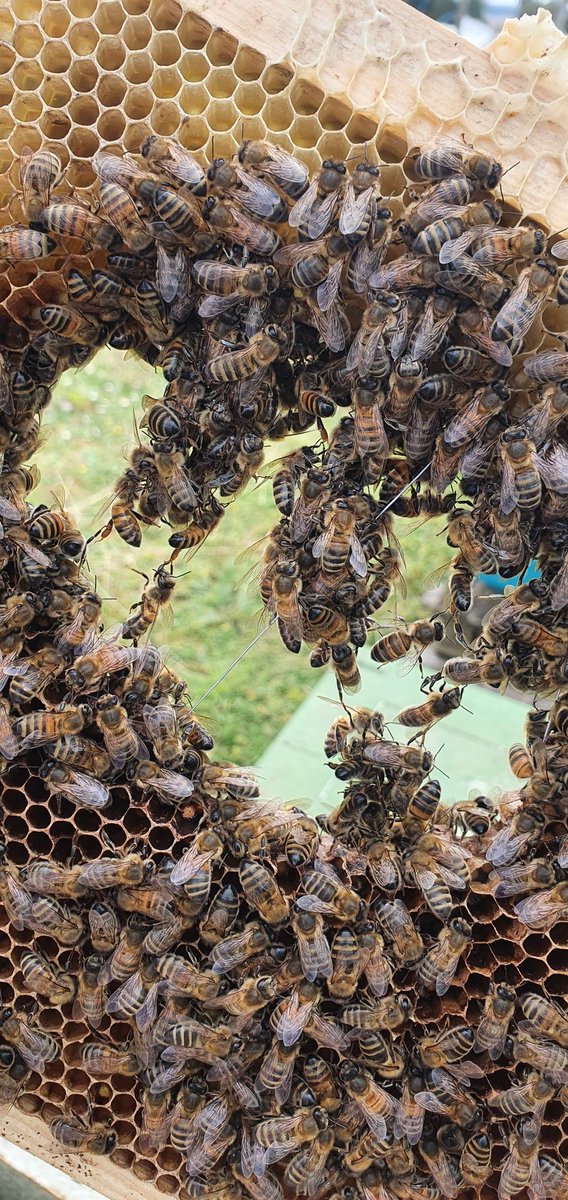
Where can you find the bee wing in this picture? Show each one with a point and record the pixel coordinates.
(444, 978)
(211, 306)
(560, 251)
(148, 1011)
(289, 255)
(188, 865)
(33, 1048)
(375, 1121)
(563, 852)
(553, 469)
(327, 1033)
(457, 246)
(408, 1119)
(320, 214)
(261, 198)
(313, 904)
(509, 492)
(364, 261)
(354, 208)
(379, 974)
(367, 350)
(293, 1019)
(357, 557)
(159, 720)
(128, 996)
(387, 754)
(451, 879)
(248, 1153)
(541, 910)
(8, 740)
(286, 167)
(327, 291)
(303, 206)
(331, 325)
(170, 785)
(512, 881)
(315, 956)
(442, 1175)
(169, 270)
(83, 789)
(505, 847)
(429, 1103)
(399, 335)
(537, 1189)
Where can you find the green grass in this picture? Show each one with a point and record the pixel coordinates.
(215, 608)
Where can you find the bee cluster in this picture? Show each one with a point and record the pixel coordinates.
(260, 1004)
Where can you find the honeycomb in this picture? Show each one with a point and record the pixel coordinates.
(109, 74)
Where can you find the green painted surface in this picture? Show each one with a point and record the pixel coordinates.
(474, 744)
(15, 1187)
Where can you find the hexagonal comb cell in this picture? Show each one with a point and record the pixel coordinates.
(203, 1009)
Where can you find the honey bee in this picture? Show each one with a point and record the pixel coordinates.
(126, 871)
(170, 786)
(409, 1116)
(119, 210)
(18, 243)
(121, 741)
(439, 1165)
(317, 204)
(491, 1033)
(438, 705)
(327, 894)
(369, 432)
(542, 909)
(438, 967)
(49, 879)
(263, 348)
(374, 1103)
(548, 366)
(34, 1047)
(183, 978)
(287, 172)
(447, 1048)
(395, 754)
(90, 1002)
(36, 672)
(521, 485)
(196, 860)
(104, 927)
(446, 1097)
(262, 892)
(44, 979)
(40, 727)
(220, 916)
(137, 997)
(277, 1137)
(154, 597)
(530, 1097)
(162, 727)
(523, 599)
(165, 156)
(406, 943)
(443, 161)
(74, 785)
(521, 1168)
(127, 955)
(228, 220)
(70, 218)
(102, 1059)
(405, 274)
(422, 807)
(40, 172)
(9, 746)
(339, 545)
(286, 587)
(306, 1171)
(77, 1137)
(48, 916)
(313, 947)
(546, 1016)
(380, 316)
(13, 1076)
(528, 297)
(155, 1121)
(520, 833)
(468, 424)
(547, 1057)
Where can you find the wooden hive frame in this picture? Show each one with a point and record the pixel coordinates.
(323, 79)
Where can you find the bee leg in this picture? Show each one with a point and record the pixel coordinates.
(429, 682)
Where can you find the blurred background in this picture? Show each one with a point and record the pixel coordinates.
(481, 20)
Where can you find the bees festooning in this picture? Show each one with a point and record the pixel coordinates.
(298, 1004)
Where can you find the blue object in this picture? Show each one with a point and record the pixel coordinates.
(496, 584)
